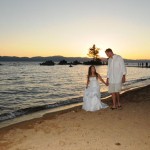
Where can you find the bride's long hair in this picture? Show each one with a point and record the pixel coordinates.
(90, 72)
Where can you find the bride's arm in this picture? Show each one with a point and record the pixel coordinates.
(100, 78)
(87, 83)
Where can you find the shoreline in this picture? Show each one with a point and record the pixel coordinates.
(77, 129)
(62, 110)
(65, 108)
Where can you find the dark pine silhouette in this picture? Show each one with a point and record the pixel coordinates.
(93, 52)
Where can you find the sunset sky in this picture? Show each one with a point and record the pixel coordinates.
(70, 27)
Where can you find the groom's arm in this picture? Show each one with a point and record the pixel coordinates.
(108, 68)
(107, 81)
(87, 83)
(124, 70)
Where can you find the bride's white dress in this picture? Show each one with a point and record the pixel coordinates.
(92, 96)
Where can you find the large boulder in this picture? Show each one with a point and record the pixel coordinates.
(76, 62)
(47, 63)
(63, 62)
(93, 62)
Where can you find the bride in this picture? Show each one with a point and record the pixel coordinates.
(92, 95)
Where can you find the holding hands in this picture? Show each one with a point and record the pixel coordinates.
(123, 80)
(107, 82)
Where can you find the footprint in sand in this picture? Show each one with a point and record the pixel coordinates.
(118, 144)
(62, 143)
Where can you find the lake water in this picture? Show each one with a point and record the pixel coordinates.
(27, 87)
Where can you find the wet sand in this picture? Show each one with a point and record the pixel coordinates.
(75, 129)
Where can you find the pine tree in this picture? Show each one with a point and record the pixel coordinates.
(93, 52)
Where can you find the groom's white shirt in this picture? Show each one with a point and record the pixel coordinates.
(116, 69)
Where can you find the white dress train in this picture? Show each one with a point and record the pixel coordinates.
(92, 96)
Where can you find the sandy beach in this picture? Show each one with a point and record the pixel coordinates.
(75, 129)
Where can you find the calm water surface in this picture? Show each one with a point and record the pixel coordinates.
(27, 87)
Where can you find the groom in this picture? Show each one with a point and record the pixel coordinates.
(115, 76)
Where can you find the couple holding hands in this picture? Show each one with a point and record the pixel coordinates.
(115, 78)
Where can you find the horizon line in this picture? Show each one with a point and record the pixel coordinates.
(65, 56)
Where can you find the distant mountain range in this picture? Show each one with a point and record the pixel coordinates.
(41, 59)
(55, 59)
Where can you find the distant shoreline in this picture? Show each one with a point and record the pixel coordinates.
(56, 59)
(41, 59)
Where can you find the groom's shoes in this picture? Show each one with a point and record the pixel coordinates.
(120, 107)
(112, 108)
